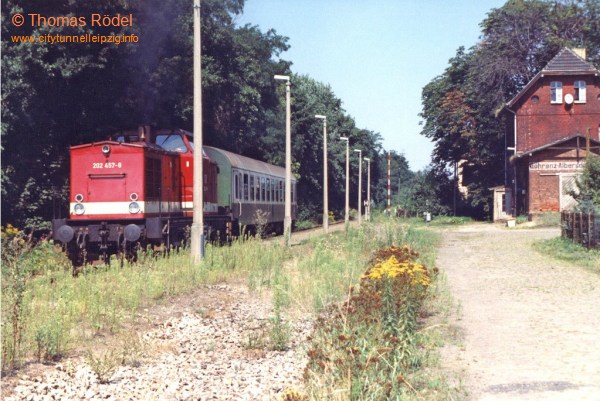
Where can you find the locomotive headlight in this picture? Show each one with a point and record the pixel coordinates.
(78, 198)
(79, 209)
(134, 208)
(133, 196)
(105, 150)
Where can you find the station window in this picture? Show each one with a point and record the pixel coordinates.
(252, 188)
(555, 92)
(579, 91)
(245, 186)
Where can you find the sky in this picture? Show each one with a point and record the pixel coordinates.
(377, 55)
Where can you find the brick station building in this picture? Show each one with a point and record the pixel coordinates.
(554, 123)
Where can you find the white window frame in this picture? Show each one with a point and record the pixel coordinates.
(556, 92)
(580, 91)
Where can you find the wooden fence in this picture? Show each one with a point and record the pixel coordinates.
(583, 228)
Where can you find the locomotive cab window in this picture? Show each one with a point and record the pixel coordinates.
(173, 143)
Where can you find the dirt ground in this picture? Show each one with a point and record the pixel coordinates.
(529, 325)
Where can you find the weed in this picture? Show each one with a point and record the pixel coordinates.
(256, 339)
(103, 364)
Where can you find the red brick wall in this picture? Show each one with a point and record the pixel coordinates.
(544, 195)
(544, 190)
(541, 123)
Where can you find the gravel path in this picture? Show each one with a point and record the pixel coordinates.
(530, 325)
(208, 346)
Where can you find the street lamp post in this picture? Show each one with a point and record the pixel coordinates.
(368, 211)
(287, 219)
(325, 180)
(347, 215)
(359, 185)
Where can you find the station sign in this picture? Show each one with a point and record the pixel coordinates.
(556, 166)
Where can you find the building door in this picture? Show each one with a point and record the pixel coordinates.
(568, 186)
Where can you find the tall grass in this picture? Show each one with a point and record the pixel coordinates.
(576, 254)
(46, 311)
(58, 311)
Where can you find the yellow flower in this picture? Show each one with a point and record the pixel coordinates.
(416, 273)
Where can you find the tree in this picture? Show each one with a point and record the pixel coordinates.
(588, 184)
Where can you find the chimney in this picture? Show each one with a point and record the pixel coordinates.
(580, 51)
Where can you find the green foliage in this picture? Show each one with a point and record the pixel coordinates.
(588, 184)
(110, 88)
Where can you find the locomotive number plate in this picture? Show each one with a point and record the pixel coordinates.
(107, 165)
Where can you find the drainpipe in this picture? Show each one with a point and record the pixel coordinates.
(514, 149)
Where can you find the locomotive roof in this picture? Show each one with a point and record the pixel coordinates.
(246, 163)
(119, 143)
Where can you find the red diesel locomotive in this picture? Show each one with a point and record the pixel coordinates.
(135, 189)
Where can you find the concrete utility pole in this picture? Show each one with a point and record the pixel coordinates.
(389, 184)
(347, 215)
(197, 234)
(287, 219)
(359, 185)
(325, 179)
(368, 211)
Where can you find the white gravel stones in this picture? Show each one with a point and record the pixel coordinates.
(197, 356)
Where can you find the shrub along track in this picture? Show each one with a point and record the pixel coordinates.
(529, 325)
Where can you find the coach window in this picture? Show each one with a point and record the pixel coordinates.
(257, 188)
(262, 189)
(281, 192)
(273, 191)
(268, 199)
(555, 92)
(252, 188)
(245, 186)
(236, 186)
(579, 91)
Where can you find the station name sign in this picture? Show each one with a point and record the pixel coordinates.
(555, 166)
